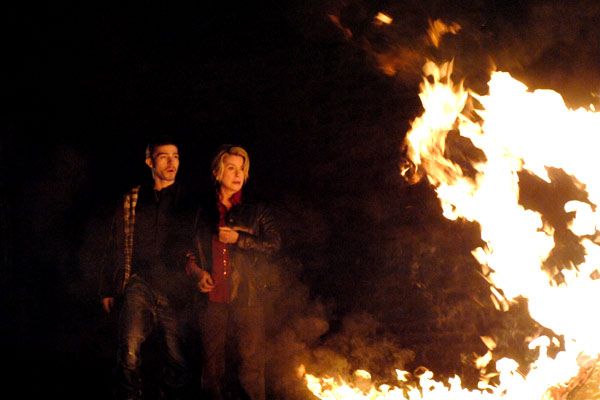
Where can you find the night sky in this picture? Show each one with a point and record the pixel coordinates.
(370, 266)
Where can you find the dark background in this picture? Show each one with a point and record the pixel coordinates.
(321, 97)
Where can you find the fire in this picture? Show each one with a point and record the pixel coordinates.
(513, 130)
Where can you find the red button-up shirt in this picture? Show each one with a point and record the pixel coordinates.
(221, 267)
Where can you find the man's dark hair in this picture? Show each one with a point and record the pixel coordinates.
(159, 140)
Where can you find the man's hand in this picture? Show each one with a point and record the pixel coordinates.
(205, 283)
(228, 235)
(107, 304)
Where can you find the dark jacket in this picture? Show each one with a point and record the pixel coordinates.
(250, 257)
(161, 233)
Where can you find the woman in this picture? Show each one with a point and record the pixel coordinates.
(233, 240)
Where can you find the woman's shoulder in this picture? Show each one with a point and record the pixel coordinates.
(257, 209)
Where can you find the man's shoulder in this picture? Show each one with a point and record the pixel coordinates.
(134, 190)
(131, 195)
(131, 190)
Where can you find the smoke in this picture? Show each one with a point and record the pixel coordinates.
(306, 327)
(296, 319)
(296, 323)
(361, 343)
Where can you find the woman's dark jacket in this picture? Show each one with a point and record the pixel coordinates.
(250, 257)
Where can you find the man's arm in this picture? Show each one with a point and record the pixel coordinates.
(107, 289)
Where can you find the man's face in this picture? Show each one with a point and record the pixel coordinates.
(164, 163)
(233, 173)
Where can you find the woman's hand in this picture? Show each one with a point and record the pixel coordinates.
(228, 235)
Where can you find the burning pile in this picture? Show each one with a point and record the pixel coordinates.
(509, 132)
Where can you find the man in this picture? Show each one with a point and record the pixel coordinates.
(146, 272)
(234, 240)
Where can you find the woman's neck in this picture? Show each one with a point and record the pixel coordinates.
(225, 197)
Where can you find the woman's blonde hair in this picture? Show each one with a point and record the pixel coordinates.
(229, 150)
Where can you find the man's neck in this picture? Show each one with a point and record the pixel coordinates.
(160, 184)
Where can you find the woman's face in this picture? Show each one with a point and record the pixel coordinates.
(232, 179)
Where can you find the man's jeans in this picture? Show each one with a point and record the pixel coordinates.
(143, 311)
